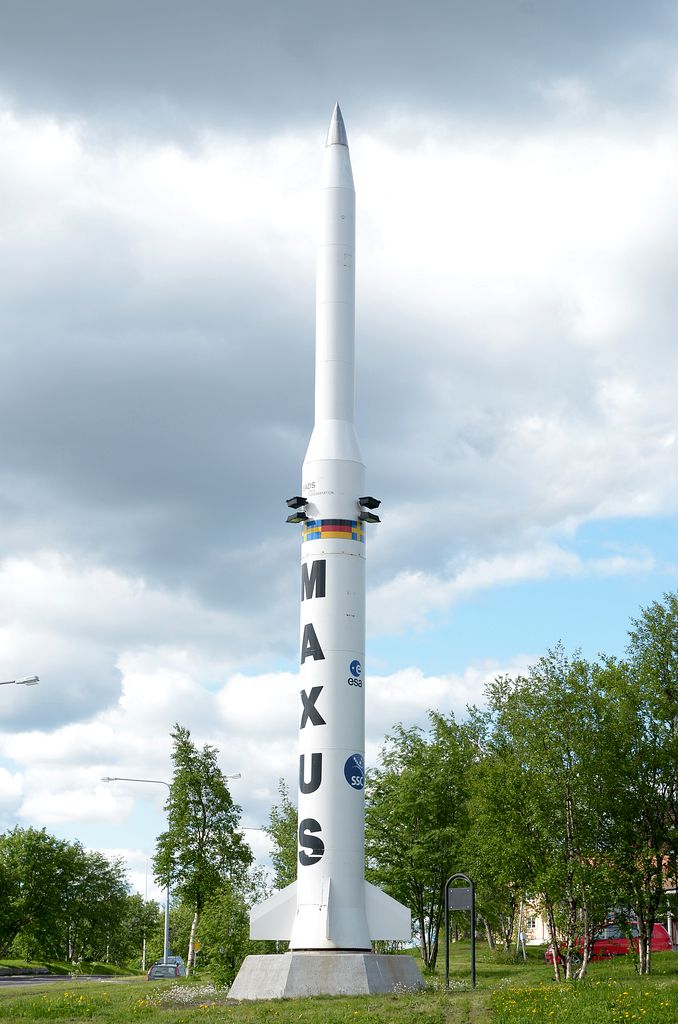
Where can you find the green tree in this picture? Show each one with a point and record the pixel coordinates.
(225, 927)
(551, 721)
(60, 900)
(94, 903)
(641, 773)
(34, 871)
(202, 848)
(416, 819)
(500, 847)
(138, 920)
(282, 831)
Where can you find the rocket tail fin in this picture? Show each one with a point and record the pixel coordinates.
(273, 919)
(386, 918)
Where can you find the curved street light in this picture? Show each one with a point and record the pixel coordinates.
(28, 681)
(155, 782)
(159, 782)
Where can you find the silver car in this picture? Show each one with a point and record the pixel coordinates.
(163, 971)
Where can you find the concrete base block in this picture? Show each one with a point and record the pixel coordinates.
(293, 975)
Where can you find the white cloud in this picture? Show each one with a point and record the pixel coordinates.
(58, 801)
(569, 96)
(76, 624)
(11, 788)
(407, 695)
(489, 228)
(408, 600)
(171, 214)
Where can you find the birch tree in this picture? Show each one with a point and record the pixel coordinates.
(416, 818)
(501, 848)
(202, 848)
(550, 719)
(642, 775)
(282, 831)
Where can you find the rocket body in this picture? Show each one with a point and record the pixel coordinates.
(332, 642)
(331, 907)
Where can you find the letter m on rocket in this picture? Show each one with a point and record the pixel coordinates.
(313, 583)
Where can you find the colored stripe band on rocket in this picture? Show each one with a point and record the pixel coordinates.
(333, 529)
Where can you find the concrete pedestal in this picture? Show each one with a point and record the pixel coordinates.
(293, 975)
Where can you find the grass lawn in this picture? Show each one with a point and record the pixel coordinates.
(507, 993)
(612, 993)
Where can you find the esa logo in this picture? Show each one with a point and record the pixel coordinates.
(354, 771)
(355, 671)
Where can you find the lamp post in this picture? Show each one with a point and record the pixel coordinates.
(159, 782)
(143, 947)
(153, 782)
(28, 681)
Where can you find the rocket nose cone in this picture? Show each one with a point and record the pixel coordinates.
(336, 135)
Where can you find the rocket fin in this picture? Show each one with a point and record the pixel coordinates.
(386, 918)
(273, 919)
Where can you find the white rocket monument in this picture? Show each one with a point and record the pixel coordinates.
(331, 908)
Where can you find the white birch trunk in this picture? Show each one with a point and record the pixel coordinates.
(190, 959)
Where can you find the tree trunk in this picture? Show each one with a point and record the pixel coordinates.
(553, 938)
(506, 924)
(190, 960)
(436, 926)
(489, 935)
(571, 935)
(588, 933)
(643, 945)
(422, 938)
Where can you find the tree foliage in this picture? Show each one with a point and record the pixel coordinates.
(60, 901)
(225, 927)
(500, 849)
(202, 849)
(282, 831)
(416, 819)
(564, 791)
(642, 812)
(35, 871)
(549, 723)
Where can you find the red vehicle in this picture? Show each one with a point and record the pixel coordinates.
(610, 941)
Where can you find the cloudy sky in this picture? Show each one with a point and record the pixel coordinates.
(516, 167)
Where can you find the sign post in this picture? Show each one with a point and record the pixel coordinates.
(460, 897)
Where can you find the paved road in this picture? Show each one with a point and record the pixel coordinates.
(45, 979)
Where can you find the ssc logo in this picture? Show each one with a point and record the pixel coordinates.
(354, 771)
(355, 668)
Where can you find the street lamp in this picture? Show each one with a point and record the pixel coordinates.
(159, 782)
(154, 782)
(28, 681)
